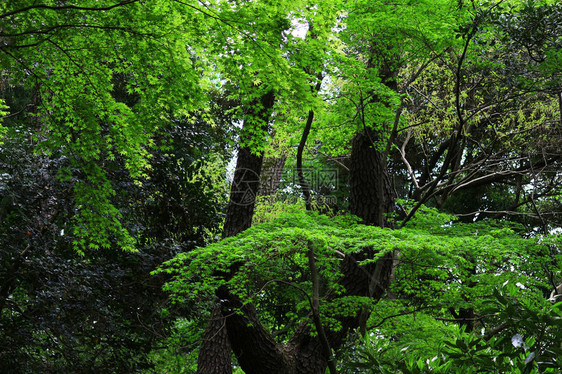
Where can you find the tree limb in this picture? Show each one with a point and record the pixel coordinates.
(64, 7)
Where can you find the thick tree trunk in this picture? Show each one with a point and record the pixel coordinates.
(243, 192)
(256, 350)
(246, 181)
(215, 352)
(371, 195)
(371, 199)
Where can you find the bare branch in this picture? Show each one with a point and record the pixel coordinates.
(403, 156)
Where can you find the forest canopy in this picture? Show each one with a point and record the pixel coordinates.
(284, 186)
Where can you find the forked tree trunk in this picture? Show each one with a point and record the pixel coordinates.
(255, 348)
(239, 328)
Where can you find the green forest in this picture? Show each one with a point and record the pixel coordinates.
(280, 186)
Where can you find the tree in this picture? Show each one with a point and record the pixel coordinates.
(435, 274)
(494, 115)
(449, 170)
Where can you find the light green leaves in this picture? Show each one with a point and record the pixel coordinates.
(105, 79)
(448, 265)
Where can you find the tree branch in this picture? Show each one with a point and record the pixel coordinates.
(326, 350)
(64, 7)
(49, 30)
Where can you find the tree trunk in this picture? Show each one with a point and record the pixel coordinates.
(371, 195)
(371, 199)
(271, 175)
(215, 352)
(243, 192)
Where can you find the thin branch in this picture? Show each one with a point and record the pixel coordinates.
(495, 331)
(327, 351)
(229, 24)
(287, 283)
(405, 313)
(330, 158)
(492, 176)
(544, 226)
(302, 181)
(64, 7)
(48, 30)
(506, 212)
(405, 161)
(464, 319)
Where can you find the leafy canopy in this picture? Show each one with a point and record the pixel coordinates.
(437, 261)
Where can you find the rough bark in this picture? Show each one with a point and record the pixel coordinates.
(371, 199)
(256, 350)
(270, 178)
(246, 181)
(215, 356)
(322, 338)
(243, 192)
(371, 195)
(254, 346)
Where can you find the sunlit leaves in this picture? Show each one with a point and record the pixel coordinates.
(73, 56)
(445, 265)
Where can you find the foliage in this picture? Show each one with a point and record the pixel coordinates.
(2, 114)
(70, 56)
(481, 255)
(477, 104)
(442, 266)
(275, 263)
(177, 353)
(117, 120)
(102, 311)
(489, 273)
(528, 341)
